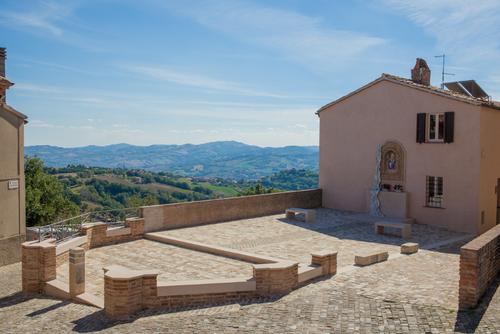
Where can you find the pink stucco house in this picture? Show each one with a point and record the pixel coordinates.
(439, 151)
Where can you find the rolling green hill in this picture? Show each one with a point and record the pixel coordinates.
(227, 159)
(94, 188)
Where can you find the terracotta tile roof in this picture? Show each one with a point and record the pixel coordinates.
(429, 89)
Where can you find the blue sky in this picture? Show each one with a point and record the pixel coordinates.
(170, 72)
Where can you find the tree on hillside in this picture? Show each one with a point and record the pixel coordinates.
(47, 199)
(258, 189)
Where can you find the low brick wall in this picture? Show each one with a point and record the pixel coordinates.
(98, 234)
(168, 216)
(38, 265)
(128, 291)
(479, 266)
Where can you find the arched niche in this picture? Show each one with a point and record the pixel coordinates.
(392, 164)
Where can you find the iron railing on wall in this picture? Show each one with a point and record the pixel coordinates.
(71, 227)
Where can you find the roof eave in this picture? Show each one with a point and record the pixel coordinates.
(422, 88)
(15, 112)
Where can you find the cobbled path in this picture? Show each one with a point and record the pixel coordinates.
(335, 305)
(407, 294)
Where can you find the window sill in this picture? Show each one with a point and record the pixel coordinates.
(434, 207)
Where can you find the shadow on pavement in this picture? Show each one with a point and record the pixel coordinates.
(468, 320)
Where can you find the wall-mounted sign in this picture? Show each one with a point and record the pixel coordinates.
(13, 184)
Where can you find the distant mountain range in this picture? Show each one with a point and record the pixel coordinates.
(225, 159)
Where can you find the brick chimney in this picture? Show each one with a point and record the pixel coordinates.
(421, 73)
(2, 61)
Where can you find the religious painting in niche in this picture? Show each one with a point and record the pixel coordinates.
(392, 164)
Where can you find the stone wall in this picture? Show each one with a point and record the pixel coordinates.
(168, 216)
(479, 266)
(10, 249)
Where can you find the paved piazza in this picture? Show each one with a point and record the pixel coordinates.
(278, 237)
(173, 263)
(406, 294)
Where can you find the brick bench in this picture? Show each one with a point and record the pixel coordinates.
(366, 259)
(310, 215)
(403, 227)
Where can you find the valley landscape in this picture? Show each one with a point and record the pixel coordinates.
(223, 159)
(115, 177)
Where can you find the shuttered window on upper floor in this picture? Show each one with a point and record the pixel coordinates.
(435, 127)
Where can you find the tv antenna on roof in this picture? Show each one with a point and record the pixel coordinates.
(443, 73)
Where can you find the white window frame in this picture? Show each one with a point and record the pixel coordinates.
(437, 200)
(436, 128)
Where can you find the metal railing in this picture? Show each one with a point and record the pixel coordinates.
(71, 227)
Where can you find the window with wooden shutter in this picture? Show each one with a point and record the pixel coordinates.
(449, 126)
(421, 125)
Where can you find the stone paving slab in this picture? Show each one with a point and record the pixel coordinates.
(174, 263)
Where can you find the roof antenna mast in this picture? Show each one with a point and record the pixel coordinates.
(443, 73)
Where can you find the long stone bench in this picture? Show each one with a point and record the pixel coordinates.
(366, 259)
(403, 227)
(309, 214)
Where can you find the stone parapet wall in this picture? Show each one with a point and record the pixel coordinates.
(479, 266)
(168, 216)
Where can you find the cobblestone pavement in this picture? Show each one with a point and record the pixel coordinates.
(275, 236)
(174, 263)
(335, 305)
(406, 294)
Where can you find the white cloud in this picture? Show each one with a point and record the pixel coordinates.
(35, 123)
(469, 29)
(302, 38)
(195, 80)
(45, 17)
(37, 88)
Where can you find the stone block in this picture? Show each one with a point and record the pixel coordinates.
(309, 214)
(367, 259)
(327, 260)
(76, 271)
(409, 248)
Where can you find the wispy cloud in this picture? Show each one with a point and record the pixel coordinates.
(199, 81)
(296, 36)
(45, 17)
(37, 88)
(466, 28)
(467, 31)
